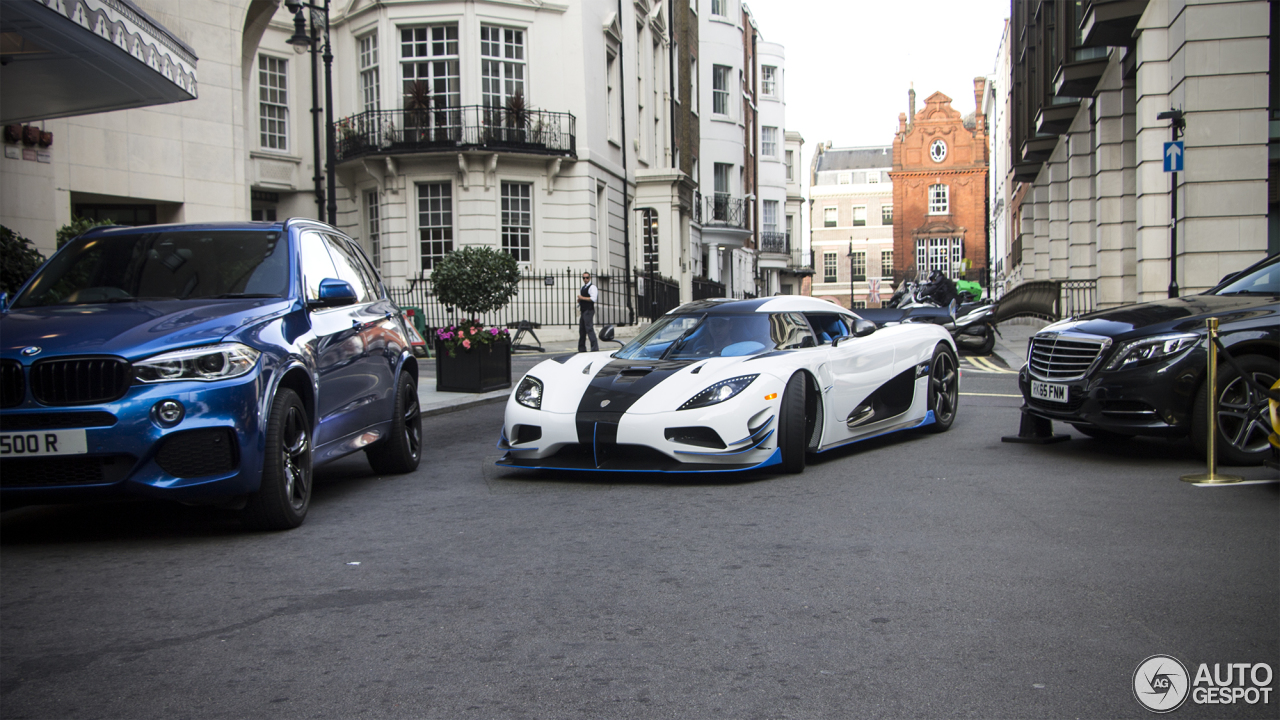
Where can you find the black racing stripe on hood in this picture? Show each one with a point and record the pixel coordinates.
(621, 383)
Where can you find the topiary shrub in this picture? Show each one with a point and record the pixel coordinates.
(476, 280)
(77, 227)
(19, 258)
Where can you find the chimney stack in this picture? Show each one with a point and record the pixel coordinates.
(911, 95)
(979, 89)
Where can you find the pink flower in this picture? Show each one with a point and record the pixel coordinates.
(473, 331)
(466, 344)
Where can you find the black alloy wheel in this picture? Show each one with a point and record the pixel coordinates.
(1243, 416)
(284, 496)
(944, 388)
(402, 450)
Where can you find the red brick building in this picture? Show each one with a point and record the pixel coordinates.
(940, 189)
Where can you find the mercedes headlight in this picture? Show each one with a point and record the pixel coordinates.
(211, 362)
(719, 392)
(529, 392)
(1146, 351)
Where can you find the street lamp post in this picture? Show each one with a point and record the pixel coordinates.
(327, 197)
(850, 273)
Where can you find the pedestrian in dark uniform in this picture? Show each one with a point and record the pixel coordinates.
(587, 307)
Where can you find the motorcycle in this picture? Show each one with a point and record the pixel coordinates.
(936, 300)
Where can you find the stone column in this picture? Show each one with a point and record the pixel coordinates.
(1040, 226)
(1081, 251)
(1114, 223)
(1151, 182)
(1059, 198)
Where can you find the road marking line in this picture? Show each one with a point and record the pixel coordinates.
(991, 394)
(982, 364)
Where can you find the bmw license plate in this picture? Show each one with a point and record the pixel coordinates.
(42, 443)
(1047, 391)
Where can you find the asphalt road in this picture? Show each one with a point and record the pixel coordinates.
(916, 576)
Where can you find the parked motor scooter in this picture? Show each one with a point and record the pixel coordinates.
(936, 300)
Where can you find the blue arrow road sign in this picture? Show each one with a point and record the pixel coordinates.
(1173, 156)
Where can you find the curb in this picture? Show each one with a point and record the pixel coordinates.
(489, 399)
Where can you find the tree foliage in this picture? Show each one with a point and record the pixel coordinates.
(77, 227)
(476, 280)
(18, 259)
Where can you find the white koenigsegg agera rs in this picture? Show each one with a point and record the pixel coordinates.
(732, 385)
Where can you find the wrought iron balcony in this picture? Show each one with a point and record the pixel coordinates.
(450, 129)
(775, 242)
(724, 210)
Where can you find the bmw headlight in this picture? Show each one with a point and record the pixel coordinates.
(1146, 351)
(529, 392)
(719, 392)
(211, 362)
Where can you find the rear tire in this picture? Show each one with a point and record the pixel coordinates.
(1243, 415)
(791, 425)
(284, 496)
(402, 449)
(944, 388)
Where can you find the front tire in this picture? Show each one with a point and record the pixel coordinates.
(944, 388)
(402, 450)
(1243, 419)
(284, 496)
(791, 425)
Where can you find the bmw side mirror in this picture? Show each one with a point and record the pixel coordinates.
(4, 302)
(334, 293)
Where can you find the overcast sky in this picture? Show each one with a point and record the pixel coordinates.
(849, 63)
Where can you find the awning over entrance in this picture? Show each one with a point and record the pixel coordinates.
(72, 57)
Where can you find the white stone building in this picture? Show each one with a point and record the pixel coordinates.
(796, 278)
(851, 224)
(1089, 145)
(774, 238)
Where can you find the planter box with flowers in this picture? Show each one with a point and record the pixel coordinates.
(472, 358)
(469, 356)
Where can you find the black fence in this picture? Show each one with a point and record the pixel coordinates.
(656, 295)
(548, 298)
(456, 128)
(703, 289)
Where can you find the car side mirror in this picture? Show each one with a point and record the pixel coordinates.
(4, 302)
(863, 328)
(333, 293)
(606, 334)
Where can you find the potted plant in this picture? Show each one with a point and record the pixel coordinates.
(469, 356)
(517, 118)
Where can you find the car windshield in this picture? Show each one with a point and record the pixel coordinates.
(682, 337)
(1262, 281)
(182, 265)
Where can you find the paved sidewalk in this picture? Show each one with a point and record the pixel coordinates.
(1012, 338)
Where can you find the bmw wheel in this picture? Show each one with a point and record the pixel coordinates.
(402, 449)
(282, 500)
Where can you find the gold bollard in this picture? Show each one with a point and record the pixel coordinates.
(1212, 477)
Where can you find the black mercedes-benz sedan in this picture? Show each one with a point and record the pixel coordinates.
(1142, 369)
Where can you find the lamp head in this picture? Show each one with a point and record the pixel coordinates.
(300, 37)
(293, 6)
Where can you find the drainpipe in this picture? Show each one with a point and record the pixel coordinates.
(626, 212)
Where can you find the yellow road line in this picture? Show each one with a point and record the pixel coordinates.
(982, 364)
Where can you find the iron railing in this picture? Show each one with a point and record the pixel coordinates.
(697, 207)
(1077, 297)
(728, 211)
(456, 128)
(775, 242)
(655, 295)
(544, 297)
(703, 289)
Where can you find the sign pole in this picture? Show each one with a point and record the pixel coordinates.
(1173, 157)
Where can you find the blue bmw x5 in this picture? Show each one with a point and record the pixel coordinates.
(203, 363)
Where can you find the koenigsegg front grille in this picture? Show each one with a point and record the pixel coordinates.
(80, 381)
(195, 453)
(1059, 358)
(63, 471)
(12, 387)
(53, 420)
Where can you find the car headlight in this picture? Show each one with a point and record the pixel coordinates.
(211, 362)
(1137, 353)
(529, 392)
(719, 392)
